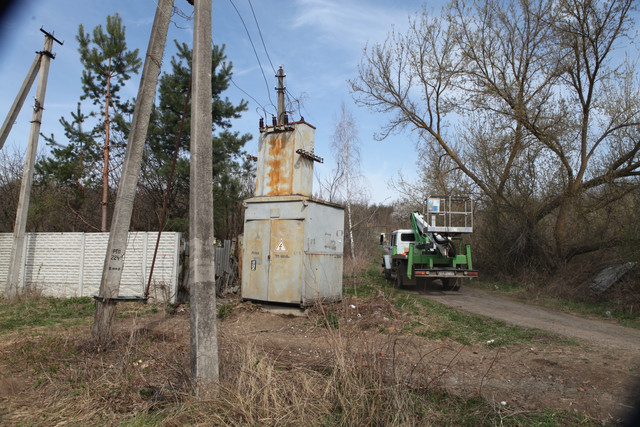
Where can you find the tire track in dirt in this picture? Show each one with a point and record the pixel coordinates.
(484, 303)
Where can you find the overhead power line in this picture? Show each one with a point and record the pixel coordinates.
(261, 38)
(179, 12)
(249, 95)
(255, 52)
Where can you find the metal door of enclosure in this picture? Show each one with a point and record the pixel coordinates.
(255, 269)
(286, 252)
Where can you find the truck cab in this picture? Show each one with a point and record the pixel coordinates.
(399, 243)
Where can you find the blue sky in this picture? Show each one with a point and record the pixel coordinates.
(318, 42)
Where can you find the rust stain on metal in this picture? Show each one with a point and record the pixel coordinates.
(279, 175)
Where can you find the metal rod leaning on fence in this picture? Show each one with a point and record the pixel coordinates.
(165, 203)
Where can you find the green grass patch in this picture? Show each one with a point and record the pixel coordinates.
(330, 321)
(436, 407)
(44, 311)
(602, 310)
(145, 419)
(131, 309)
(547, 418)
(224, 311)
(366, 284)
(431, 319)
(458, 411)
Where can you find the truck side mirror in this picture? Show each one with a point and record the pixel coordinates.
(381, 239)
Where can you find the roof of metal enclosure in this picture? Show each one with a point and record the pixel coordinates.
(290, 198)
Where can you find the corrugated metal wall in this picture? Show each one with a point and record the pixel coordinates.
(221, 257)
(70, 264)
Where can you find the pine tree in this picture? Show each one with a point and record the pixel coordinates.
(70, 172)
(108, 64)
(229, 169)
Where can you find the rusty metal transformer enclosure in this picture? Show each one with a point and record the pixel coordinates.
(293, 250)
(281, 171)
(293, 244)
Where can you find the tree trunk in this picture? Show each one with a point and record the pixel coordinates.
(560, 228)
(351, 243)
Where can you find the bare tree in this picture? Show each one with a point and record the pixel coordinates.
(11, 164)
(331, 183)
(527, 101)
(345, 145)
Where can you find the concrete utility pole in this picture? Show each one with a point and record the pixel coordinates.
(202, 289)
(114, 259)
(280, 89)
(22, 95)
(13, 286)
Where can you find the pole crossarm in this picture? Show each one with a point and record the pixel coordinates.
(48, 34)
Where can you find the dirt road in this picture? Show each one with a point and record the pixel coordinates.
(476, 301)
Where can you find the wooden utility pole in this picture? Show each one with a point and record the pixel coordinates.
(121, 221)
(202, 289)
(13, 286)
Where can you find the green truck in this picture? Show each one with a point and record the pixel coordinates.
(433, 249)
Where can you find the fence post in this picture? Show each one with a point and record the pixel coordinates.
(81, 266)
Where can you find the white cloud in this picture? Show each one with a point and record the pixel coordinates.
(353, 23)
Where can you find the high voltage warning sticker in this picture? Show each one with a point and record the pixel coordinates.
(281, 247)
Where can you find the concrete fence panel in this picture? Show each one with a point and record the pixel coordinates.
(70, 264)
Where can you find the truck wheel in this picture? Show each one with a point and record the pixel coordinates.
(452, 284)
(399, 280)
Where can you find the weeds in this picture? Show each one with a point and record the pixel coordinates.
(31, 311)
(433, 320)
(361, 378)
(224, 311)
(330, 321)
